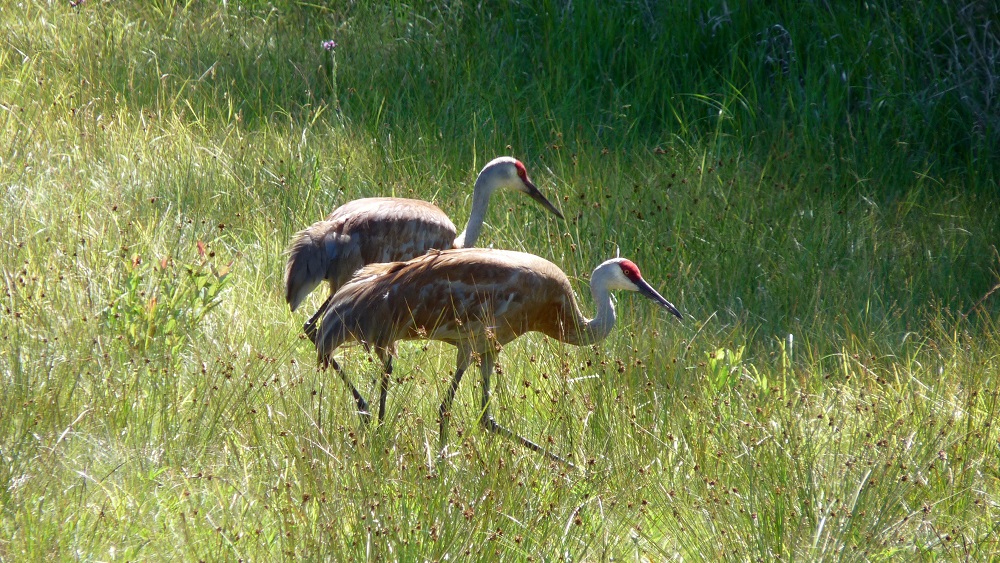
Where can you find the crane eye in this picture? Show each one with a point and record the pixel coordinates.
(630, 270)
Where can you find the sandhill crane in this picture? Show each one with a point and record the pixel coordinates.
(478, 300)
(382, 229)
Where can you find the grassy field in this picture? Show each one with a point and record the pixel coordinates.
(815, 188)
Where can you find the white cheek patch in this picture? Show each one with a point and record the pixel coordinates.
(623, 282)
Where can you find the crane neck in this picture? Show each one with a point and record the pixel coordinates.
(599, 327)
(485, 186)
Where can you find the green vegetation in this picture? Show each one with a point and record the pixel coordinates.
(814, 186)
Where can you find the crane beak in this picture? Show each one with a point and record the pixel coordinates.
(648, 291)
(532, 190)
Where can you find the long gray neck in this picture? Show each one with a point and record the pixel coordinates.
(485, 186)
(598, 328)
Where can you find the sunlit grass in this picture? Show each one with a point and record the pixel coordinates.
(830, 395)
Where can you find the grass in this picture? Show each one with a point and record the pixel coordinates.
(814, 187)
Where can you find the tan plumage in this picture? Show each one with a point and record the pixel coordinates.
(475, 299)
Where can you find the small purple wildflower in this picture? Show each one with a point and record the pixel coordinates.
(329, 45)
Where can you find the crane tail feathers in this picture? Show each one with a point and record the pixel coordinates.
(309, 258)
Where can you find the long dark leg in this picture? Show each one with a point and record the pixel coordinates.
(384, 385)
(464, 356)
(486, 419)
(363, 411)
(310, 327)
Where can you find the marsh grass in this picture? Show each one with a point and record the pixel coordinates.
(813, 186)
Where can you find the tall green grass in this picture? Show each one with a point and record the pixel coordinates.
(813, 185)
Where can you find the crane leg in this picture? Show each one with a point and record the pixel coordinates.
(464, 357)
(491, 425)
(383, 388)
(310, 327)
(363, 411)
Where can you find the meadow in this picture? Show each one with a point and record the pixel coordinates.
(813, 185)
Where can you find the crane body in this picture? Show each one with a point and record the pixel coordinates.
(360, 232)
(477, 300)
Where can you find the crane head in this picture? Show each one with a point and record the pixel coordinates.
(508, 172)
(625, 275)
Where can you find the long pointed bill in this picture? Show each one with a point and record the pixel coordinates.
(648, 291)
(536, 195)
